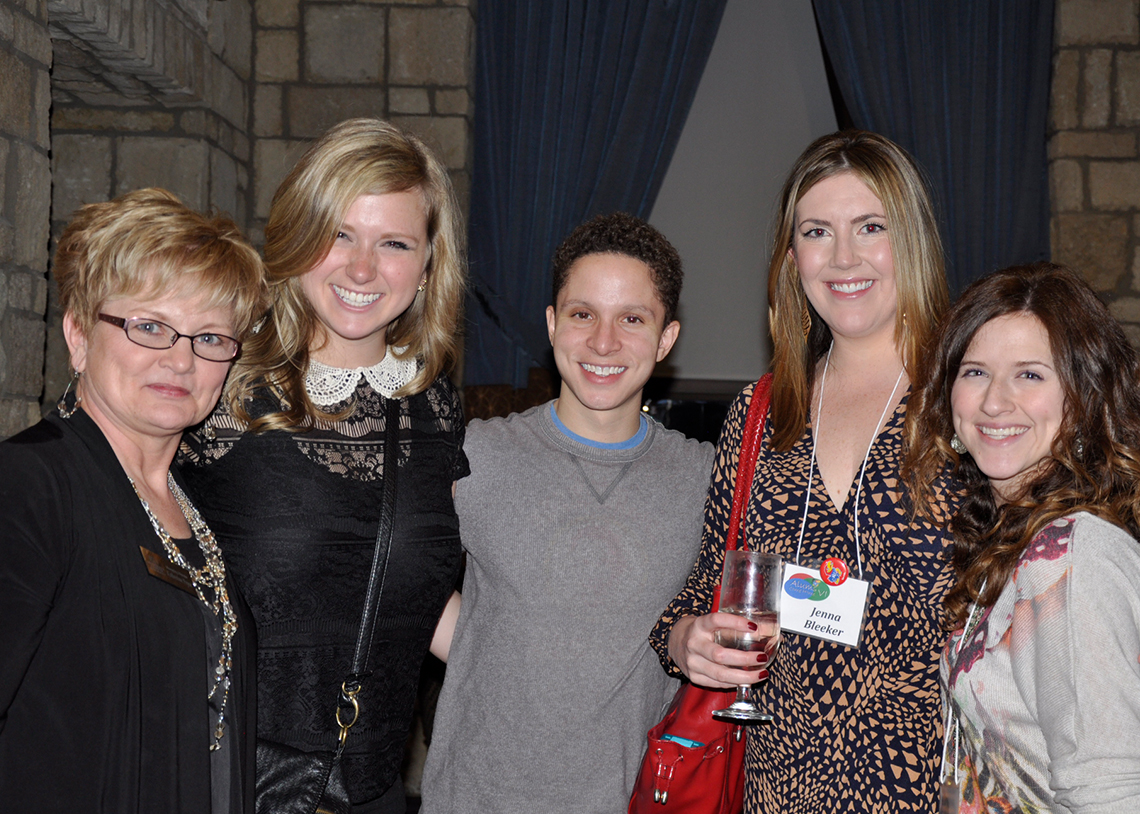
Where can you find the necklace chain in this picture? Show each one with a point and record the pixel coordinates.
(953, 723)
(211, 577)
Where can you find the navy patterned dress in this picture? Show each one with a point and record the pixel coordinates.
(856, 729)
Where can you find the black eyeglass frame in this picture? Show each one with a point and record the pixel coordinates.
(125, 323)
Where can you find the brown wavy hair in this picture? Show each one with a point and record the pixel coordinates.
(356, 157)
(916, 248)
(623, 233)
(1094, 462)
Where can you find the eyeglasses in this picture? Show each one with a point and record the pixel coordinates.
(150, 333)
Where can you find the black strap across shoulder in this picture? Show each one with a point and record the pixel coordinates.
(359, 670)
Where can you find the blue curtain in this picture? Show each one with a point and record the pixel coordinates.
(579, 105)
(964, 86)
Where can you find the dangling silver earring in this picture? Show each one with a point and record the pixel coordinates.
(1078, 448)
(61, 406)
(957, 445)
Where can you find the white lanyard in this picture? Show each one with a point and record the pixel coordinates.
(862, 471)
(952, 723)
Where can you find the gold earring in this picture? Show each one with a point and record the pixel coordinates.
(421, 286)
(805, 320)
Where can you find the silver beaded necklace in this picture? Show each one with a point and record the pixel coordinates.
(212, 576)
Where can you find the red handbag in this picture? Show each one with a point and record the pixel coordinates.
(705, 779)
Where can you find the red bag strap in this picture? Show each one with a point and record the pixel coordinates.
(749, 452)
(746, 465)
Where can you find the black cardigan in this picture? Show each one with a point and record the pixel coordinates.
(103, 673)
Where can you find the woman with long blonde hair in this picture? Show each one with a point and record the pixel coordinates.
(365, 255)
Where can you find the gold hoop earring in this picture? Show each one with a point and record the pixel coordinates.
(805, 320)
(61, 405)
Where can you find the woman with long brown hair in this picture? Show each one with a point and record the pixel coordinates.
(1031, 396)
(855, 287)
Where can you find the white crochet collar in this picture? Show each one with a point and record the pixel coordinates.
(329, 385)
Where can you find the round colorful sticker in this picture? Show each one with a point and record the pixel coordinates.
(834, 571)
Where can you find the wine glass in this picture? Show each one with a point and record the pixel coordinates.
(750, 587)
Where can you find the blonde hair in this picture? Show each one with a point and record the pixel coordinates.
(356, 157)
(894, 178)
(149, 243)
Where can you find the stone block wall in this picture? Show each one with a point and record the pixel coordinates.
(212, 99)
(147, 93)
(317, 63)
(25, 201)
(1094, 149)
(151, 93)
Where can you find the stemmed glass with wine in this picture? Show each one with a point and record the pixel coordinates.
(750, 587)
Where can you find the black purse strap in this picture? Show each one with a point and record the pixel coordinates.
(348, 705)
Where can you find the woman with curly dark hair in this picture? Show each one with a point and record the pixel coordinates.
(1030, 396)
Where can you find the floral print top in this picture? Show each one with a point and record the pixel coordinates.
(1045, 688)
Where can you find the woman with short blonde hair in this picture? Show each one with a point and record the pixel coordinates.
(128, 656)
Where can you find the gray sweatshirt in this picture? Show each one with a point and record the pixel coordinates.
(572, 553)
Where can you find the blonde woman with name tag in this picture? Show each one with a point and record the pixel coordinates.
(855, 287)
(127, 656)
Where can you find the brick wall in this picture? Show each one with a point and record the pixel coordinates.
(317, 63)
(25, 199)
(1093, 149)
(151, 93)
(212, 99)
(146, 93)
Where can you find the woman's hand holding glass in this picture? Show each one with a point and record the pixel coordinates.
(693, 647)
(750, 588)
(708, 648)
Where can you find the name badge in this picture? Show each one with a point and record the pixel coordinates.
(812, 607)
(167, 571)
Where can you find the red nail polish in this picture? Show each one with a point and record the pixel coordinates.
(752, 626)
(762, 658)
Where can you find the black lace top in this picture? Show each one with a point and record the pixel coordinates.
(296, 514)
